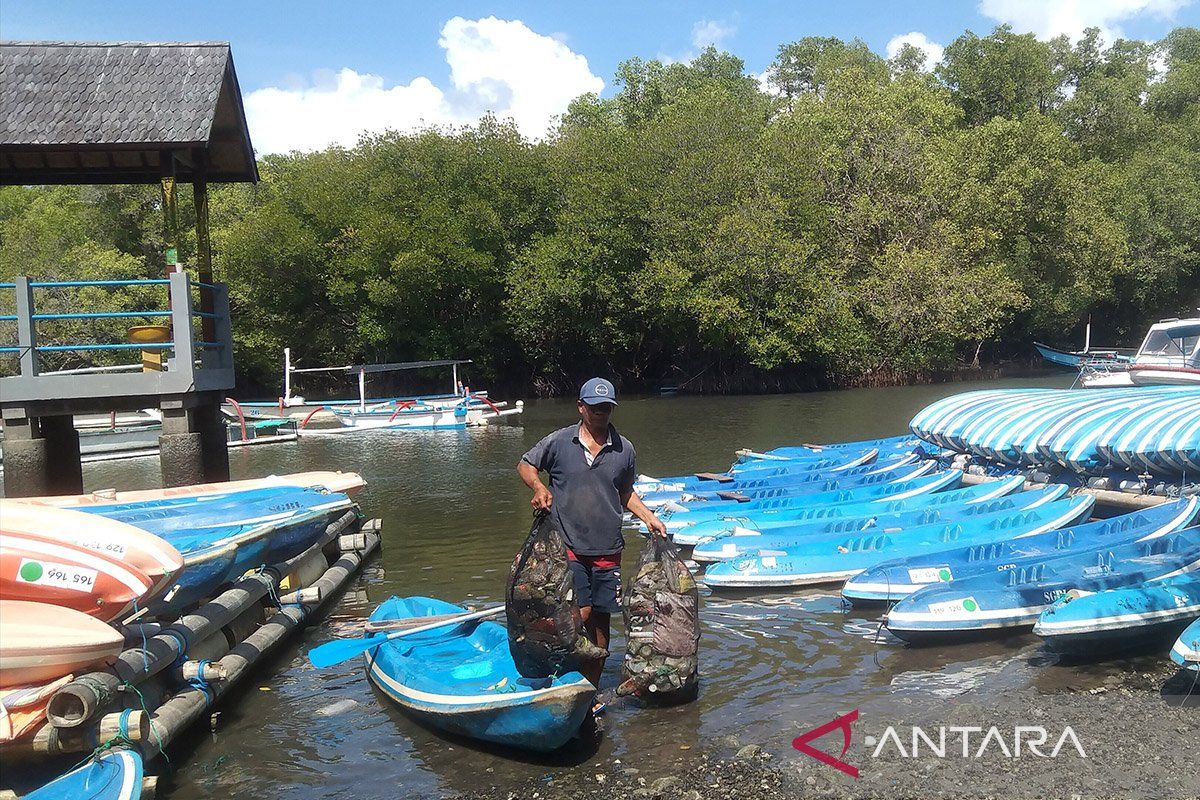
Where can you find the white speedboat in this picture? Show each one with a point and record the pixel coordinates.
(1169, 355)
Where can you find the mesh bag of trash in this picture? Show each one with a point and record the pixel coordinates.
(662, 625)
(545, 631)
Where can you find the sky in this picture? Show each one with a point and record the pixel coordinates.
(319, 73)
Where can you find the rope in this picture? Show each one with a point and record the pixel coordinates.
(153, 729)
(183, 646)
(200, 683)
(123, 724)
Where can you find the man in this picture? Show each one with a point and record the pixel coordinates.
(591, 469)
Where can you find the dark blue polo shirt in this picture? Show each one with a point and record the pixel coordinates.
(587, 499)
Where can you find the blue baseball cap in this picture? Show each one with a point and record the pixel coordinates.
(598, 390)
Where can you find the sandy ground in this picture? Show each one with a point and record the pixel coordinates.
(1140, 733)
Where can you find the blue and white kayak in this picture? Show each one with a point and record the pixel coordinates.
(1137, 428)
(462, 679)
(677, 515)
(835, 560)
(1118, 620)
(893, 580)
(704, 480)
(111, 775)
(999, 603)
(818, 484)
(1186, 652)
(755, 485)
(755, 524)
(903, 443)
(224, 541)
(744, 541)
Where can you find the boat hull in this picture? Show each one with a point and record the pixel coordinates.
(41, 570)
(460, 679)
(42, 642)
(894, 580)
(1120, 620)
(1186, 652)
(113, 775)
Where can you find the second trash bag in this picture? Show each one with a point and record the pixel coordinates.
(545, 631)
(662, 625)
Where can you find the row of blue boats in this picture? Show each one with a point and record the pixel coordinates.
(891, 523)
(1138, 429)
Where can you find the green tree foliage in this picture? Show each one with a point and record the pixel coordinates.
(850, 219)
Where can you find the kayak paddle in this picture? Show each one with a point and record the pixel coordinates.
(337, 651)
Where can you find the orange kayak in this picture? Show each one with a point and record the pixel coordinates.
(43, 570)
(112, 538)
(345, 482)
(40, 642)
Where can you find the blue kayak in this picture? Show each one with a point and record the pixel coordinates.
(767, 469)
(679, 516)
(223, 542)
(904, 442)
(1119, 620)
(744, 541)
(1009, 601)
(782, 496)
(112, 775)
(755, 523)
(836, 559)
(755, 486)
(462, 679)
(892, 580)
(1186, 652)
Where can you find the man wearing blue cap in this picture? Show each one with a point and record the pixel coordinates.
(591, 469)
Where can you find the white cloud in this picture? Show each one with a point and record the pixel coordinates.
(498, 66)
(933, 50)
(709, 31)
(1049, 18)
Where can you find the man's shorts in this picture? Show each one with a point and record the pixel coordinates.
(598, 587)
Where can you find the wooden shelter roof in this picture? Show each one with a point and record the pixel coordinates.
(121, 112)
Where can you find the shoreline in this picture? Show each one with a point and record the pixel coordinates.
(1135, 730)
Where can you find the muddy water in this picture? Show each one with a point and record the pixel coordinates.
(454, 513)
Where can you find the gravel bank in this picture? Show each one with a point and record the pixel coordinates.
(1140, 733)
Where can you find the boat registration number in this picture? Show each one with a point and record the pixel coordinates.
(930, 575)
(963, 605)
(102, 546)
(61, 576)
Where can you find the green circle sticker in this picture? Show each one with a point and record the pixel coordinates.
(943, 574)
(31, 571)
(970, 605)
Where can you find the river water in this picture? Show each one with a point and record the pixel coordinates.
(454, 514)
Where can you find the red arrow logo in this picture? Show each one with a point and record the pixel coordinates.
(843, 723)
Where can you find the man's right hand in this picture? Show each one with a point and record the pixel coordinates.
(542, 499)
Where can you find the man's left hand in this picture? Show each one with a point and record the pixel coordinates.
(657, 527)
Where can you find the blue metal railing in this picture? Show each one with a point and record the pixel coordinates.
(179, 293)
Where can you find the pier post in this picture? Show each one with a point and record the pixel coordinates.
(192, 447)
(41, 455)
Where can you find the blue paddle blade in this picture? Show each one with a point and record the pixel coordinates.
(339, 650)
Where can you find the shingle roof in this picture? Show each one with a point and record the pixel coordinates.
(89, 97)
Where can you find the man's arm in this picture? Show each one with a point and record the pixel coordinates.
(541, 495)
(635, 506)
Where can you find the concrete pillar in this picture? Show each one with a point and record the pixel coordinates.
(192, 446)
(62, 454)
(180, 462)
(25, 466)
(214, 444)
(41, 456)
